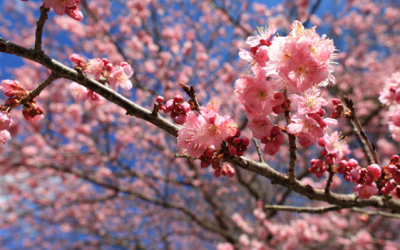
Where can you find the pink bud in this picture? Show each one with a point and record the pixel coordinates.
(323, 152)
(397, 177)
(328, 160)
(336, 101)
(322, 124)
(321, 113)
(231, 172)
(180, 119)
(394, 158)
(237, 133)
(209, 153)
(105, 61)
(369, 179)
(178, 99)
(279, 98)
(352, 163)
(217, 173)
(318, 163)
(169, 106)
(315, 116)
(321, 142)
(306, 140)
(392, 169)
(385, 191)
(232, 150)
(160, 99)
(389, 186)
(204, 164)
(319, 174)
(311, 170)
(347, 177)
(216, 164)
(271, 148)
(275, 130)
(277, 109)
(236, 141)
(375, 170)
(279, 139)
(109, 67)
(355, 175)
(245, 141)
(185, 107)
(343, 164)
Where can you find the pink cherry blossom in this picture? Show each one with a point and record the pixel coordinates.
(335, 144)
(120, 76)
(78, 92)
(12, 88)
(94, 68)
(5, 120)
(375, 170)
(59, 6)
(365, 191)
(262, 36)
(260, 126)
(302, 123)
(310, 101)
(4, 136)
(202, 132)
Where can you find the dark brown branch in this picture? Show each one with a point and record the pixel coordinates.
(292, 144)
(63, 71)
(39, 28)
(354, 118)
(321, 210)
(330, 178)
(313, 10)
(363, 144)
(258, 150)
(311, 210)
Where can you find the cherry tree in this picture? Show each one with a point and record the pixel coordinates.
(172, 125)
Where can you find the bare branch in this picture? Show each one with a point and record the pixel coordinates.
(311, 210)
(258, 150)
(330, 178)
(354, 118)
(292, 144)
(39, 28)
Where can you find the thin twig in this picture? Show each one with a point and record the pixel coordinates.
(192, 94)
(321, 210)
(330, 178)
(39, 28)
(313, 10)
(354, 118)
(34, 93)
(363, 144)
(258, 150)
(311, 210)
(292, 144)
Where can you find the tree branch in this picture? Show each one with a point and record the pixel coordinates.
(292, 144)
(39, 28)
(63, 71)
(258, 150)
(311, 210)
(354, 118)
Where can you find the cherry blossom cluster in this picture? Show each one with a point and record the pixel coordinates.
(338, 110)
(103, 71)
(69, 7)
(308, 124)
(237, 145)
(392, 176)
(177, 107)
(299, 62)
(213, 157)
(390, 96)
(206, 130)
